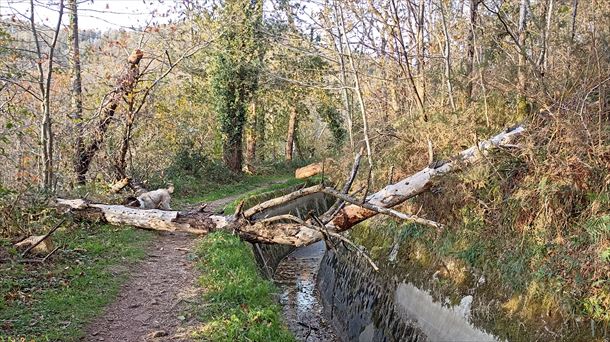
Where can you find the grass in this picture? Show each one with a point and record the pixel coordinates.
(55, 300)
(240, 304)
(273, 190)
(196, 194)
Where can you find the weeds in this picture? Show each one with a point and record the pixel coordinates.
(55, 300)
(240, 304)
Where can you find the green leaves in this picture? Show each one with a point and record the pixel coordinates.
(234, 71)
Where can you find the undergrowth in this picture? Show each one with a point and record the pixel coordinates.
(240, 303)
(53, 301)
(528, 228)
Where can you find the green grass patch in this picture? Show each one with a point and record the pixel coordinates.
(270, 191)
(240, 303)
(192, 193)
(54, 301)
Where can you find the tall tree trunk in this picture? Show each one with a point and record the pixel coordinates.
(357, 85)
(347, 108)
(44, 84)
(251, 138)
(447, 55)
(474, 4)
(544, 53)
(406, 65)
(421, 49)
(121, 161)
(232, 151)
(77, 97)
(292, 123)
(522, 105)
(574, 14)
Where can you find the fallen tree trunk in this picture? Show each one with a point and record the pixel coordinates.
(414, 185)
(286, 231)
(166, 220)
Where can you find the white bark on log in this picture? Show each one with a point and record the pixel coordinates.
(414, 185)
(166, 220)
(280, 231)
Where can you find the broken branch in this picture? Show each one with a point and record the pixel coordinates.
(381, 210)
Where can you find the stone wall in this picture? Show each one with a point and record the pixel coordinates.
(364, 305)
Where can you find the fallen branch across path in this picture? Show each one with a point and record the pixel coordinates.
(295, 232)
(165, 220)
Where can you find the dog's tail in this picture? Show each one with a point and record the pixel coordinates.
(170, 188)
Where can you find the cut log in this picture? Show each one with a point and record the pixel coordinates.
(311, 169)
(118, 186)
(42, 244)
(278, 229)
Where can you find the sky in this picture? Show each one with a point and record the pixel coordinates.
(98, 14)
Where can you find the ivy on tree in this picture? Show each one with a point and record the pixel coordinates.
(234, 74)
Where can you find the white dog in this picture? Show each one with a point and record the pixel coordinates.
(156, 199)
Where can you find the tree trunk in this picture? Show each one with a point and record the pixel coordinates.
(292, 124)
(522, 105)
(365, 126)
(44, 84)
(574, 14)
(421, 50)
(412, 186)
(121, 161)
(277, 229)
(471, 46)
(406, 64)
(77, 97)
(232, 155)
(251, 138)
(544, 53)
(125, 85)
(447, 55)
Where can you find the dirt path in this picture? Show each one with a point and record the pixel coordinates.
(151, 305)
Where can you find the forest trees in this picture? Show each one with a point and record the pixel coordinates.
(234, 73)
(76, 89)
(320, 64)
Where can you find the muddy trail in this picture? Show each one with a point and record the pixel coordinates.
(151, 306)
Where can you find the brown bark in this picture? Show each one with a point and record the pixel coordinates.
(232, 154)
(474, 4)
(292, 123)
(128, 120)
(125, 85)
(574, 15)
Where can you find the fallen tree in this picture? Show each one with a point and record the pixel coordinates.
(286, 229)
